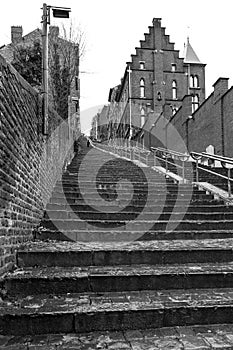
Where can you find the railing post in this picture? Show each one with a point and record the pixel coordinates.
(183, 175)
(166, 163)
(197, 175)
(229, 182)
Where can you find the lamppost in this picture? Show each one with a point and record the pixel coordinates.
(58, 12)
(129, 71)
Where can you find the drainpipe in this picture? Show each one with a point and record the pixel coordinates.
(222, 127)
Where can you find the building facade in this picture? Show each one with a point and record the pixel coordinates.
(100, 125)
(211, 124)
(154, 83)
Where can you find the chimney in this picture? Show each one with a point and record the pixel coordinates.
(220, 87)
(16, 34)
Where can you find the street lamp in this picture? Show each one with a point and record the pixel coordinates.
(129, 71)
(58, 12)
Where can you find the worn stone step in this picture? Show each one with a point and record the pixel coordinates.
(114, 311)
(93, 189)
(139, 202)
(62, 280)
(175, 223)
(68, 254)
(126, 236)
(218, 336)
(92, 215)
(212, 207)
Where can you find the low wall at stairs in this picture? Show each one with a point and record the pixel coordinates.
(30, 163)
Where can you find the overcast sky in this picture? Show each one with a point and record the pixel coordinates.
(113, 30)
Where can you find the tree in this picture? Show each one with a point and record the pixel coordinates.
(64, 57)
(28, 61)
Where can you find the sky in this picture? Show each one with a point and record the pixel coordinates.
(114, 28)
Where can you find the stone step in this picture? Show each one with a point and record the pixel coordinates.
(62, 280)
(116, 235)
(212, 207)
(114, 216)
(218, 336)
(114, 311)
(170, 200)
(127, 188)
(90, 192)
(71, 254)
(126, 236)
(137, 194)
(174, 223)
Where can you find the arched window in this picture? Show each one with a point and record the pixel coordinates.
(195, 103)
(173, 67)
(196, 81)
(142, 117)
(174, 90)
(142, 88)
(191, 81)
(142, 65)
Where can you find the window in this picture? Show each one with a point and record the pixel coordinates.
(142, 65)
(196, 81)
(76, 83)
(173, 67)
(142, 88)
(174, 90)
(174, 109)
(142, 117)
(195, 103)
(191, 81)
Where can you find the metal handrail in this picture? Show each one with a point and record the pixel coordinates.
(170, 152)
(223, 160)
(183, 157)
(216, 157)
(134, 151)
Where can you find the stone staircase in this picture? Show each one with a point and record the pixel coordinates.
(130, 260)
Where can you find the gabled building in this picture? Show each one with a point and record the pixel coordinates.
(154, 83)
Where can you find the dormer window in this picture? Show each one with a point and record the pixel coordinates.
(142, 65)
(173, 67)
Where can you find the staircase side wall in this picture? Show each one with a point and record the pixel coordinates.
(30, 163)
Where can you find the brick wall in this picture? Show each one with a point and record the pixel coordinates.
(30, 163)
(211, 123)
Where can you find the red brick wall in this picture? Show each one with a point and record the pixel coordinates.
(30, 163)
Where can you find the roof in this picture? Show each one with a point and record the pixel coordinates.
(190, 55)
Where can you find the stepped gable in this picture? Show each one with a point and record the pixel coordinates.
(165, 289)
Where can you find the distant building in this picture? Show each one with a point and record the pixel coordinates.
(100, 125)
(154, 84)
